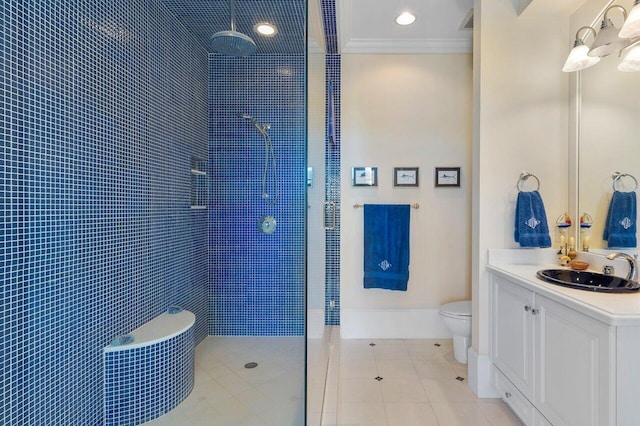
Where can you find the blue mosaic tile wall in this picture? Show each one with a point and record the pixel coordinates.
(102, 105)
(329, 22)
(257, 284)
(332, 165)
(146, 382)
(332, 193)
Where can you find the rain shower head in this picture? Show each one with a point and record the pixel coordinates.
(232, 43)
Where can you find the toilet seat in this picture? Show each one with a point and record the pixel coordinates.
(460, 310)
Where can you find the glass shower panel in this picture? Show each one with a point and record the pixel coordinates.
(317, 332)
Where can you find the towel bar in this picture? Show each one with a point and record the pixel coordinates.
(413, 206)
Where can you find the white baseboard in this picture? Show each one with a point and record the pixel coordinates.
(315, 323)
(392, 324)
(480, 377)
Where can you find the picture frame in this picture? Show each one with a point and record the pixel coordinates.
(405, 176)
(448, 176)
(364, 176)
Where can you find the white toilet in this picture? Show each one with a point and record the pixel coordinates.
(457, 317)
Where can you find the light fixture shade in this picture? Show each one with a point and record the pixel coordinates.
(578, 58)
(631, 62)
(607, 41)
(631, 27)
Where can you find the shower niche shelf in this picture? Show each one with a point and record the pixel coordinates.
(198, 184)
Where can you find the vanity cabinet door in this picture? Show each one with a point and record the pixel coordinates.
(572, 378)
(512, 333)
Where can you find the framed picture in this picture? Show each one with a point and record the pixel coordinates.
(365, 176)
(447, 176)
(405, 176)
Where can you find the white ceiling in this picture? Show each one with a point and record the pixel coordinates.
(368, 26)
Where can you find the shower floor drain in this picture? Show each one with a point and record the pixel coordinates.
(251, 365)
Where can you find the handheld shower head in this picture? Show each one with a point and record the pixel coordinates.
(268, 155)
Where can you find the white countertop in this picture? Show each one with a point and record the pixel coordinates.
(520, 266)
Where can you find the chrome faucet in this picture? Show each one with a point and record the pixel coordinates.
(633, 270)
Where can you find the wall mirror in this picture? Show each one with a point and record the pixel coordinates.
(608, 126)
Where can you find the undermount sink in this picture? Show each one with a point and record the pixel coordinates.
(590, 281)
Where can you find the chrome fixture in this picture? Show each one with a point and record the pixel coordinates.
(269, 158)
(633, 270)
(232, 43)
(607, 41)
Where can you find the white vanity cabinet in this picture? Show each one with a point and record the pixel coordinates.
(553, 364)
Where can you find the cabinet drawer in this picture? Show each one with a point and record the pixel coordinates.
(513, 398)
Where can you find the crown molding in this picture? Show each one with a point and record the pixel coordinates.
(407, 46)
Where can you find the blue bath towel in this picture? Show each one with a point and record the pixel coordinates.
(386, 246)
(532, 229)
(620, 225)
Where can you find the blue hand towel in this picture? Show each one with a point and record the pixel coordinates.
(532, 229)
(386, 246)
(620, 226)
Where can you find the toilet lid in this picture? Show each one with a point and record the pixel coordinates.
(462, 308)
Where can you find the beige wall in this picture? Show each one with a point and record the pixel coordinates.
(521, 110)
(408, 111)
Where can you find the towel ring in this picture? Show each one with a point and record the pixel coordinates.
(617, 177)
(523, 178)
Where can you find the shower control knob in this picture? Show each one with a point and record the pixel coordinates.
(267, 224)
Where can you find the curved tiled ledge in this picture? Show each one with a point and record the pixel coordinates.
(151, 375)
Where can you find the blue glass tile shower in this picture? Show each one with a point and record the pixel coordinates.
(102, 104)
(257, 280)
(332, 193)
(332, 165)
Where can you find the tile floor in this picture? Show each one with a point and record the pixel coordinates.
(369, 382)
(405, 382)
(226, 393)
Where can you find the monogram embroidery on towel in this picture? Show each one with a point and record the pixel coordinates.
(384, 265)
(626, 223)
(532, 223)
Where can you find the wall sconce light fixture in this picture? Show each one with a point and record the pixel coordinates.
(578, 57)
(607, 41)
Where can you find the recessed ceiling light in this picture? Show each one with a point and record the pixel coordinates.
(406, 18)
(266, 29)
